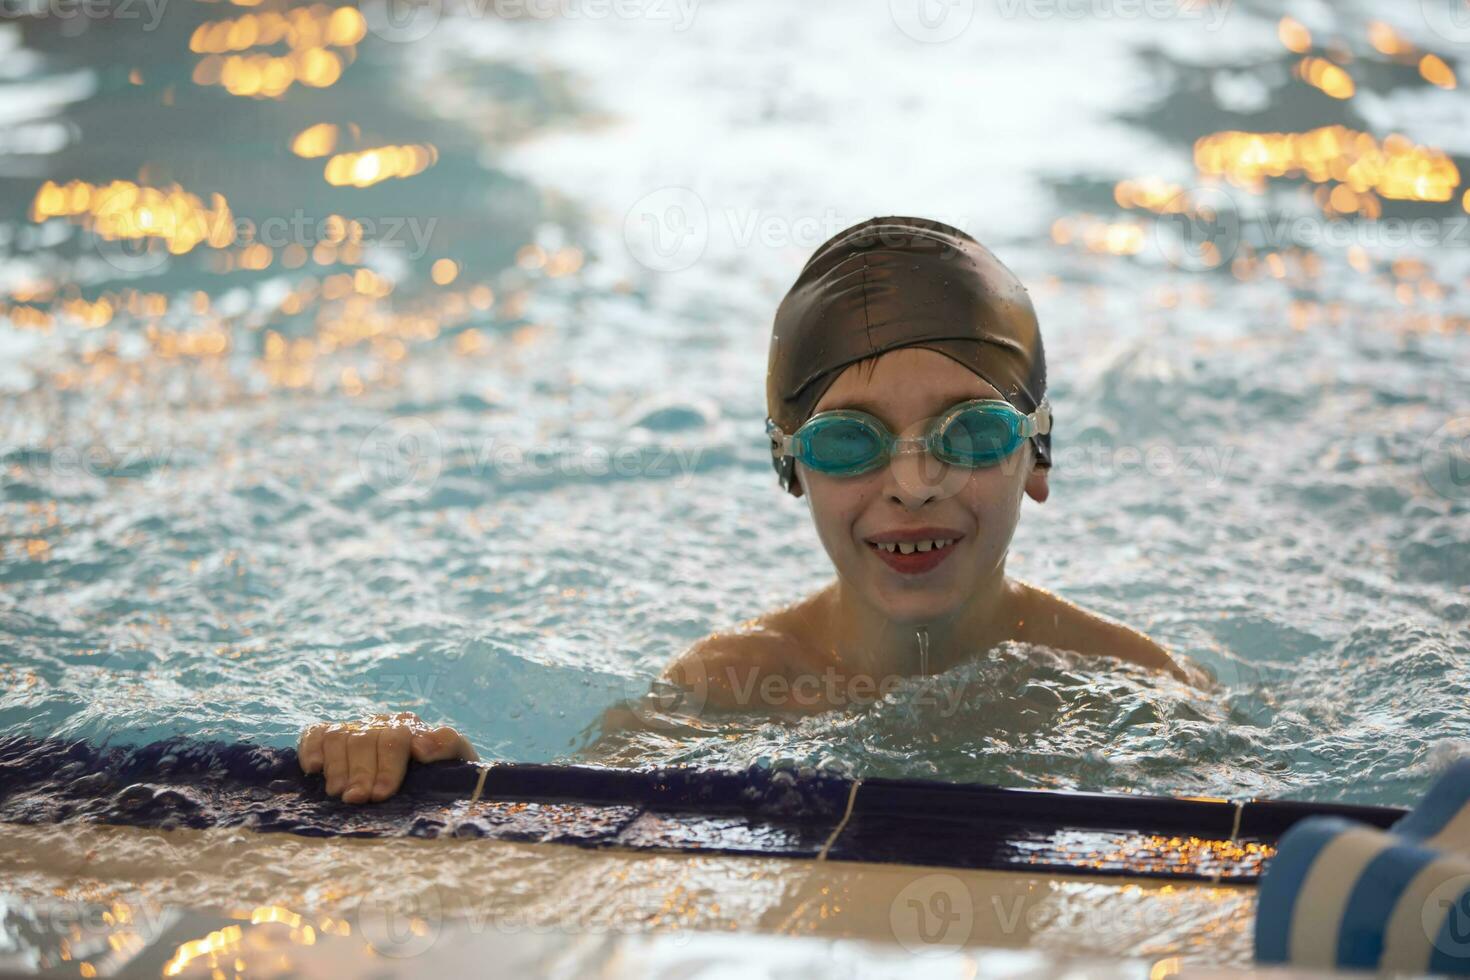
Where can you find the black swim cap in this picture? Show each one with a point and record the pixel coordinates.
(902, 282)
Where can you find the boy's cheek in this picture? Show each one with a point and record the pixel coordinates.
(994, 496)
(835, 502)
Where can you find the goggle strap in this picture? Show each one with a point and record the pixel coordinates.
(780, 441)
(1040, 419)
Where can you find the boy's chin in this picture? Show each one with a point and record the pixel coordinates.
(917, 608)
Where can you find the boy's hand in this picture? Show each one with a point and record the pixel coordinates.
(366, 760)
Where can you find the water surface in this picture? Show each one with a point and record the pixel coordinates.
(484, 440)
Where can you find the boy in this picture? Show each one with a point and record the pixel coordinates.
(906, 394)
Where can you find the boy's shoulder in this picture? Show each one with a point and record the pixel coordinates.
(728, 662)
(1046, 619)
(749, 643)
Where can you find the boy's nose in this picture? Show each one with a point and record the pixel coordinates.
(915, 479)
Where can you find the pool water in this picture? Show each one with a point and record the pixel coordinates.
(484, 440)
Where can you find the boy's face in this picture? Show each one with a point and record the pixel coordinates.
(916, 496)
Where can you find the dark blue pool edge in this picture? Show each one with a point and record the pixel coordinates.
(780, 812)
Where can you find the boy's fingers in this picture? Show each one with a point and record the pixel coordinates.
(369, 765)
(334, 761)
(430, 746)
(442, 743)
(392, 763)
(362, 766)
(309, 751)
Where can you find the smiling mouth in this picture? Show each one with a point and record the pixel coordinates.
(910, 547)
(915, 556)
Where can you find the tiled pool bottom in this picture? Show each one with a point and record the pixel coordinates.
(345, 907)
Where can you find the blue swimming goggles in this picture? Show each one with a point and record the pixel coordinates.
(849, 443)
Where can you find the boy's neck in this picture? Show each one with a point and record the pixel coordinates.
(865, 640)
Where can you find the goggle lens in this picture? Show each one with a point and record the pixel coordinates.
(849, 443)
(842, 445)
(977, 436)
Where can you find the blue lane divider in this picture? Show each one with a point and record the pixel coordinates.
(1341, 894)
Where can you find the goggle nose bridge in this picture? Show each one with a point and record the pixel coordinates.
(909, 446)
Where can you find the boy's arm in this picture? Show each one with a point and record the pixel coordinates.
(1049, 620)
(672, 706)
(725, 670)
(721, 672)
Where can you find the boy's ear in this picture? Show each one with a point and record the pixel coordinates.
(1036, 486)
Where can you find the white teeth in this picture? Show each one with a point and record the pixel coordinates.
(909, 547)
